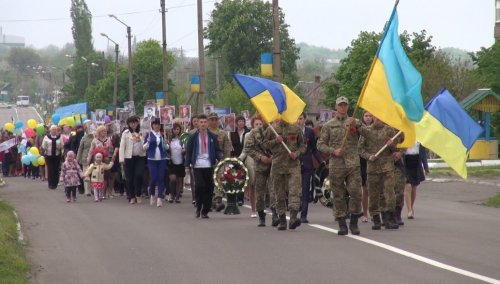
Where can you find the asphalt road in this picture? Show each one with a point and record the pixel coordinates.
(452, 239)
(18, 113)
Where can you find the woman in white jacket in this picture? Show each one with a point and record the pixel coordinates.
(132, 157)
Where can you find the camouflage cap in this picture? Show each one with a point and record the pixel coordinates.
(341, 100)
(213, 115)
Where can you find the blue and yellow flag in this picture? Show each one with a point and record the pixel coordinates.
(392, 90)
(272, 100)
(266, 64)
(448, 130)
(195, 84)
(160, 98)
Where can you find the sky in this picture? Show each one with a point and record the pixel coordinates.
(464, 24)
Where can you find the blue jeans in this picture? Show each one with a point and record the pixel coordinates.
(156, 172)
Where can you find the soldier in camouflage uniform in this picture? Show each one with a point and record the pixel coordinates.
(344, 165)
(380, 170)
(399, 186)
(226, 147)
(263, 184)
(285, 169)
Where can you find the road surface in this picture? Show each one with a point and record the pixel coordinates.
(453, 239)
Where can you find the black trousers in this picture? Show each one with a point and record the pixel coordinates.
(204, 188)
(53, 168)
(134, 171)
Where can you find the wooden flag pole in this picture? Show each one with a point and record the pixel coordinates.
(282, 143)
(385, 146)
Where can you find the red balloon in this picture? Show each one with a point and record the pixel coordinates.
(29, 132)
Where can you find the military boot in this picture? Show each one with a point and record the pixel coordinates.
(397, 216)
(262, 219)
(342, 227)
(282, 222)
(275, 220)
(294, 221)
(391, 221)
(219, 206)
(384, 219)
(353, 224)
(376, 222)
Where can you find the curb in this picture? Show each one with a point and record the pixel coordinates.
(20, 235)
(480, 182)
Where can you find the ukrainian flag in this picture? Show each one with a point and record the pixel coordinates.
(392, 90)
(447, 130)
(266, 64)
(272, 100)
(195, 84)
(159, 98)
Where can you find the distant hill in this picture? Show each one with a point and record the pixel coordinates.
(312, 52)
(457, 54)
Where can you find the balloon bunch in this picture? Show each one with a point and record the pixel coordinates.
(33, 157)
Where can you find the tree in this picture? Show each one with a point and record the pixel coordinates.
(488, 65)
(23, 59)
(82, 27)
(240, 30)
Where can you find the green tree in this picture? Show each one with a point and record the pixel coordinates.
(240, 30)
(82, 27)
(488, 65)
(23, 59)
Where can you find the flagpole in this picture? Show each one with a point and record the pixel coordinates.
(385, 146)
(386, 28)
(282, 142)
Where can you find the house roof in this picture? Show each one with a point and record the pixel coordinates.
(482, 99)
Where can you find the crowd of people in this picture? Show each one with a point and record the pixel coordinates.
(281, 161)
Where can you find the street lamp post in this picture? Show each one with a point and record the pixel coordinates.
(89, 70)
(130, 79)
(115, 87)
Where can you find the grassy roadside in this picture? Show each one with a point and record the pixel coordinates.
(478, 172)
(493, 201)
(13, 264)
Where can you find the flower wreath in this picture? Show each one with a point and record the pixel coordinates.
(231, 176)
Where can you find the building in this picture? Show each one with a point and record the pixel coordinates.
(497, 19)
(11, 40)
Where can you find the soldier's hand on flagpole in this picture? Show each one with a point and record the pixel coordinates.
(338, 152)
(372, 158)
(396, 156)
(292, 155)
(279, 139)
(389, 142)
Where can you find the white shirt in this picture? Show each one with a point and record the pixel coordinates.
(202, 160)
(413, 150)
(176, 151)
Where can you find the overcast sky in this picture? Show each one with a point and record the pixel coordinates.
(465, 24)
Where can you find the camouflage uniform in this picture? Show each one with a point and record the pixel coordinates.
(255, 149)
(380, 171)
(344, 172)
(226, 147)
(286, 177)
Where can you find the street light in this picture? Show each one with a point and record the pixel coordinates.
(115, 88)
(89, 69)
(129, 36)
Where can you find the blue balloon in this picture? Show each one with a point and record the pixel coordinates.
(22, 148)
(19, 124)
(55, 118)
(31, 158)
(84, 119)
(25, 160)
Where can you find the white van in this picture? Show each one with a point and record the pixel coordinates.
(23, 101)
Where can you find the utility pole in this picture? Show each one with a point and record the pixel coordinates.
(130, 71)
(201, 58)
(276, 42)
(165, 67)
(217, 75)
(117, 51)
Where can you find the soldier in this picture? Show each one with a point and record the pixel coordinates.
(225, 146)
(380, 170)
(285, 169)
(344, 172)
(263, 159)
(399, 185)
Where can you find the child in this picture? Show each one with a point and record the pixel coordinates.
(70, 176)
(95, 172)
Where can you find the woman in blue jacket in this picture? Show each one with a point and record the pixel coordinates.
(156, 147)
